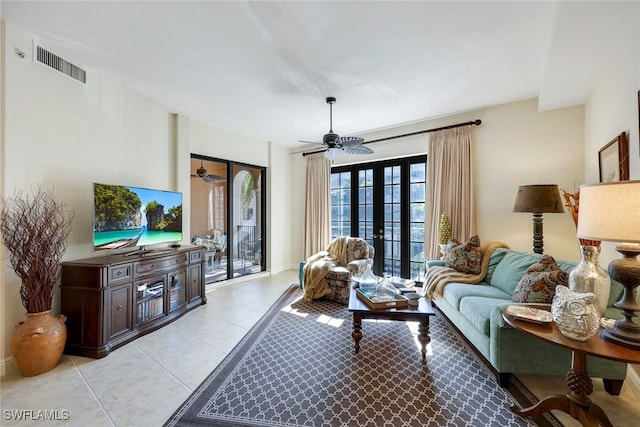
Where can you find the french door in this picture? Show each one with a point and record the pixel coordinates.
(383, 203)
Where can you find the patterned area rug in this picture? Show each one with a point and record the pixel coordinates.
(297, 367)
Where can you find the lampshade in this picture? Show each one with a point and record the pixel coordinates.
(538, 199)
(610, 211)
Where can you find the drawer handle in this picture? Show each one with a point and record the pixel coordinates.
(119, 308)
(153, 266)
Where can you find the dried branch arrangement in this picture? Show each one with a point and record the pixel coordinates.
(34, 230)
(573, 203)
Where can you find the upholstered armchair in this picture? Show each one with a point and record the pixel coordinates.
(216, 243)
(357, 256)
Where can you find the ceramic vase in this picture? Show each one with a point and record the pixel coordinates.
(575, 313)
(38, 342)
(444, 250)
(588, 276)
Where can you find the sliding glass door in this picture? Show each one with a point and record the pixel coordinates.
(384, 203)
(227, 216)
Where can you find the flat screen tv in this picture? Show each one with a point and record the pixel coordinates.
(125, 216)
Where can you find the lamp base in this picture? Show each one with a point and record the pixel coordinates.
(620, 336)
(626, 270)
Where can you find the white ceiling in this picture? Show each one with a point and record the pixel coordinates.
(264, 68)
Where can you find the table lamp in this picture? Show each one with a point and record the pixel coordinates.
(611, 212)
(538, 199)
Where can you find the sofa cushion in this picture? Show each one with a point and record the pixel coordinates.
(478, 311)
(511, 269)
(538, 284)
(454, 292)
(494, 259)
(465, 257)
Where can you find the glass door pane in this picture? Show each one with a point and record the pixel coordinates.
(365, 205)
(392, 221)
(417, 205)
(340, 204)
(209, 215)
(247, 220)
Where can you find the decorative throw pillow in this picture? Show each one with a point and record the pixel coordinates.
(546, 263)
(538, 284)
(465, 257)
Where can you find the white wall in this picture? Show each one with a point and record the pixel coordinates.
(611, 109)
(3, 251)
(68, 135)
(515, 145)
(223, 144)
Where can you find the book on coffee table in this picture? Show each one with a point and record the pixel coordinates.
(379, 302)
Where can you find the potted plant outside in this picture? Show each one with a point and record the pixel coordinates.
(34, 230)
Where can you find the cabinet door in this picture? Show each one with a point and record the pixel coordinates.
(177, 289)
(119, 321)
(150, 299)
(195, 282)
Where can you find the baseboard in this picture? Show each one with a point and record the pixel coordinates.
(7, 366)
(633, 379)
(211, 286)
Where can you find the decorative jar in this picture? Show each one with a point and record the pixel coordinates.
(368, 282)
(38, 342)
(575, 313)
(588, 276)
(444, 250)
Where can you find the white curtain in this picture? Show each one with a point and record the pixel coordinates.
(317, 206)
(449, 186)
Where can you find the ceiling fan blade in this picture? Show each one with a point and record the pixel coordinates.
(350, 141)
(359, 149)
(310, 142)
(212, 179)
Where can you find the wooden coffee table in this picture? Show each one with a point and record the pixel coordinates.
(420, 314)
(577, 402)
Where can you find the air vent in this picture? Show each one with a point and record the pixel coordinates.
(52, 60)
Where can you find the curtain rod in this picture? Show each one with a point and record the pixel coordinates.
(457, 125)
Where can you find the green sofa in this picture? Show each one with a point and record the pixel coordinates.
(476, 312)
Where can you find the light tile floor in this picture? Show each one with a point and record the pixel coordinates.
(144, 382)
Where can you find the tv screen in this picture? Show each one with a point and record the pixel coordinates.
(126, 216)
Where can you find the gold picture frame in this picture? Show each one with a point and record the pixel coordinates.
(613, 159)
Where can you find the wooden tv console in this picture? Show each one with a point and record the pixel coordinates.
(112, 300)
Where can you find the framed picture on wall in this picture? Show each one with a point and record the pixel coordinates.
(613, 159)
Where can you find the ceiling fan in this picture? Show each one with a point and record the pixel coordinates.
(201, 172)
(334, 143)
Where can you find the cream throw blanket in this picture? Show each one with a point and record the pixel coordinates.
(437, 277)
(318, 265)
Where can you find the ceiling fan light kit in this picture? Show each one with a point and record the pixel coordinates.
(334, 143)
